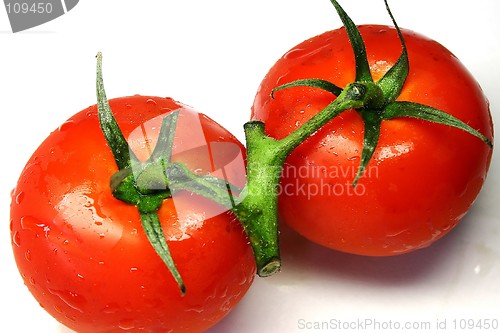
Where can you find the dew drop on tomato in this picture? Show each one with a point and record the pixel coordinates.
(294, 53)
(27, 255)
(73, 300)
(16, 239)
(32, 281)
(111, 308)
(19, 197)
(197, 309)
(58, 309)
(66, 125)
(32, 224)
(126, 324)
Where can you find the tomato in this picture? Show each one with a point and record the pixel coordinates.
(84, 255)
(423, 176)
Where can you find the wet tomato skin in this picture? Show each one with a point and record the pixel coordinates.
(423, 177)
(84, 255)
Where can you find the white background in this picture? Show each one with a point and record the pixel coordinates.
(212, 55)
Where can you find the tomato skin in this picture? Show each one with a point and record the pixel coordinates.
(83, 254)
(423, 177)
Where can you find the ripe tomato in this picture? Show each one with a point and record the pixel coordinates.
(423, 177)
(84, 255)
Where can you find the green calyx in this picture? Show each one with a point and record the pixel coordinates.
(147, 184)
(142, 184)
(380, 104)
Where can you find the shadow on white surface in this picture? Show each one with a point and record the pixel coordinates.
(454, 276)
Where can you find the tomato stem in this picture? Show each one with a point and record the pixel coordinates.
(354, 95)
(258, 210)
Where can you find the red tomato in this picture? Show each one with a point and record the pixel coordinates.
(84, 255)
(422, 178)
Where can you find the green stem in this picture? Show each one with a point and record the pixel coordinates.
(154, 232)
(258, 210)
(354, 95)
(257, 205)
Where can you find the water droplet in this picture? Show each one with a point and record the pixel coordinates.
(294, 53)
(226, 305)
(66, 242)
(133, 269)
(151, 102)
(29, 223)
(126, 324)
(111, 308)
(32, 224)
(242, 279)
(32, 281)
(67, 124)
(27, 255)
(19, 197)
(224, 292)
(72, 299)
(16, 239)
(196, 308)
(395, 233)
